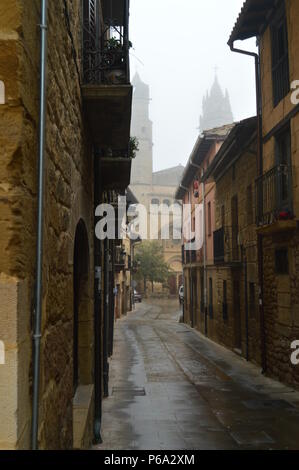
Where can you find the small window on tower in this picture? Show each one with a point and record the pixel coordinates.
(155, 202)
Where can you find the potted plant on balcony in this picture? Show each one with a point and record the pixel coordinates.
(114, 55)
(133, 147)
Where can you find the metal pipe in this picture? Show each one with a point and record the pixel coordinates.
(260, 196)
(204, 258)
(106, 319)
(40, 221)
(112, 299)
(246, 304)
(97, 316)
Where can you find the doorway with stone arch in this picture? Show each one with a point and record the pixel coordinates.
(83, 317)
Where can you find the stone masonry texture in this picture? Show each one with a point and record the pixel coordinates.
(68, 199)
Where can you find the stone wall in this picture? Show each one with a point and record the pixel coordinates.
(281, 299)
(281, 302)
(68, 199)
(220, 329)
(236, 182)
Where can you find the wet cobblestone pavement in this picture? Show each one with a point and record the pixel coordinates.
(171, 388)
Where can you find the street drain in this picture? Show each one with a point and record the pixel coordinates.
(132, 392)
(179, 331)
(267, 404)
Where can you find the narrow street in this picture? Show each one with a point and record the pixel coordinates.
(170, 388)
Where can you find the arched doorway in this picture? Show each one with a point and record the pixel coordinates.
(83, 325)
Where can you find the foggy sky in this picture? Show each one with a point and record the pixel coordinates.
(176, 46)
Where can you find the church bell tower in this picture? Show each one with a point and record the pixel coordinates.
(142, 128)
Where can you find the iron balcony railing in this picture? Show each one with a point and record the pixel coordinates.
(274, 195)
(226, 245)
(106, 44)
(120, 258)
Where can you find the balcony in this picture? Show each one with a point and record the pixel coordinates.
(115, 168)
(274, 199)
(120, 259)
(106, 89)
(227, 250)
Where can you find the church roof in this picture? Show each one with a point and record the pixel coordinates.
(216, 108)
(168, 177)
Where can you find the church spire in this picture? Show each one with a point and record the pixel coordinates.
(216, 108)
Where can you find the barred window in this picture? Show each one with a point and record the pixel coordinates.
(280, 56)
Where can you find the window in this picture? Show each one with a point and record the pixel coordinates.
(252, 304)
(280, 56)
(249, 204)
(209, 220)
(283, 147)
(166, 202)
(155, 202)
(211, 297)
(282, 261)
(193, 225)
(224, 304)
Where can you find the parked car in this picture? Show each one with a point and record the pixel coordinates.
(181, 294)
(137, 297)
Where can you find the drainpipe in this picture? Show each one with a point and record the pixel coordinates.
(97, 317)
(40, 220)
(204, 258)
(260, 172)
(246, 304)
(191, 296)
(112, 298)
(106, 319)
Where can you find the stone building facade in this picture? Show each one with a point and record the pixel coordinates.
(154, 188)
(234, 310)
(275, 25)
(77, 177)
(198, 263)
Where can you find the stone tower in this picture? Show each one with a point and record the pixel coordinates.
(216, 108)
(142, 128)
